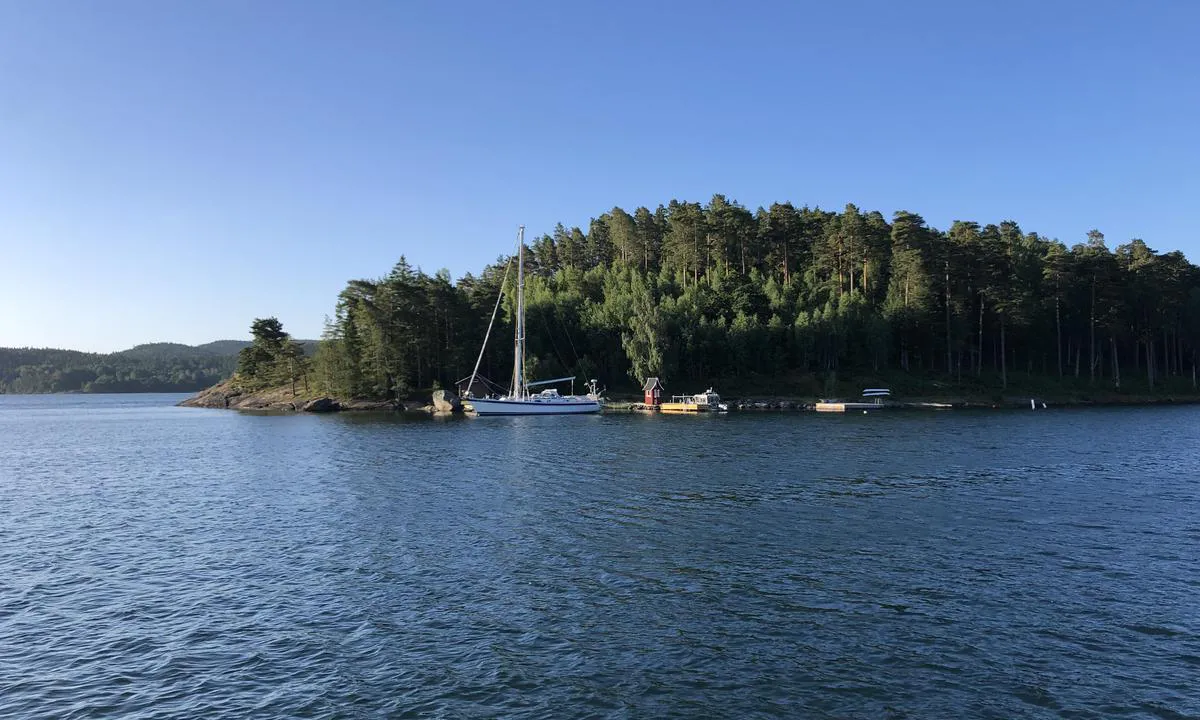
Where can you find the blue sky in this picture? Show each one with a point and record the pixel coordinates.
(169, 170)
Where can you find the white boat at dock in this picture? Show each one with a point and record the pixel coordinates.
(875, 395)
(546, 402)
(707, 401)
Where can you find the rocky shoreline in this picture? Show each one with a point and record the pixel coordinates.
(227, 396)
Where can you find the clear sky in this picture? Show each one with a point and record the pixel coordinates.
(171, 170)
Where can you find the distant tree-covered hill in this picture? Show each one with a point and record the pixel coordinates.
(153, 367)
(176, 351)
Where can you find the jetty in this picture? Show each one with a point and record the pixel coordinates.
(707, 401)
(873, 399)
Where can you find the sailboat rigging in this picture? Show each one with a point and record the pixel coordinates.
(519, 400)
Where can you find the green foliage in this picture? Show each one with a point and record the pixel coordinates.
(272, 357)
(644, 335)
(705, 293)
(698, 293)
(160, 367)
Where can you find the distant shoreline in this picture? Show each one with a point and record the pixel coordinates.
(106, 392)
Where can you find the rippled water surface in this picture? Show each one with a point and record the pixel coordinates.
(166, 562)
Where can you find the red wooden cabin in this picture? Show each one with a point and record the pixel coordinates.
(653, 389)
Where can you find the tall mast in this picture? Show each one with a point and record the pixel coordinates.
(518, 387)
(488, 334)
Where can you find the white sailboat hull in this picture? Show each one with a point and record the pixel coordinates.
(534, 406)
(520, 401)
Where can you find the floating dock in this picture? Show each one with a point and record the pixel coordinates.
(707, 401)
(847, 406)
(877, 396)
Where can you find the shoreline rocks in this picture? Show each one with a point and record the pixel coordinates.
(226, 396)
(445, 401)
(218, 396)
(321, 405)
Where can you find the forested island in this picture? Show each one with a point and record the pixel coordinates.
(782, 300)
(156, 367)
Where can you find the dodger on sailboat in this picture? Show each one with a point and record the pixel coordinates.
(519, 400)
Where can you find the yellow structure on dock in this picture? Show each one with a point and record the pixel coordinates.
(707, 401)
(877, 396)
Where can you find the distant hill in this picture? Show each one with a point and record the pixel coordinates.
(152, 367)
(218, 348)
(233, 347)
(226, 347)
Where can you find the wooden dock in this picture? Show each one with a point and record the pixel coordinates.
(877, 395)
(707, 401)
(847, 407)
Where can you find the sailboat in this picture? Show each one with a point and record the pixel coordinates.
(520, 400)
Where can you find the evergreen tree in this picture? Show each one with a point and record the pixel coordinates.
(704, 292)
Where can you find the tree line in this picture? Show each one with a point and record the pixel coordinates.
(703, 292)
(162, 367)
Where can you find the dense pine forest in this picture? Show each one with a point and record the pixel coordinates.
(158, 367)
(784, 299)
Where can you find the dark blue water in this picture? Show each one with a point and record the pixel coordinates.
(166, 562)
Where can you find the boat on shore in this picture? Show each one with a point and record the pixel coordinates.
(518, 400)
(707, 401)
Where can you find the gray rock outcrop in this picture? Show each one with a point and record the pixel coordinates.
(320, 405)
(446, 401)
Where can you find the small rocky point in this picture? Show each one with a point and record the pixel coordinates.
(227, 396)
